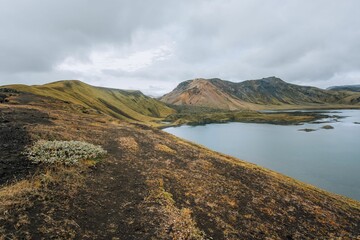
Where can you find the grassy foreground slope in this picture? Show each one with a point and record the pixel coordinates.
(121, 104)
(152, 185)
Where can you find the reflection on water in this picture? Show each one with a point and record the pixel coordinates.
(327, 158)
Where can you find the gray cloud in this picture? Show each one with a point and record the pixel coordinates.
(153, 45)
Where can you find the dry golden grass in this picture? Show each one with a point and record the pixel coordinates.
(128, 143)
(229, 201)
(15, 194)
(18, 192)
(19, 196)
(174, 223)
(164, 148)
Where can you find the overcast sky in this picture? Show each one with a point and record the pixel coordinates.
(154, 45)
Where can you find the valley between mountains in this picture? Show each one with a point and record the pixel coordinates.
(153, 185)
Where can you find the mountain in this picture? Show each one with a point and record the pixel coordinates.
(205, 93)
(121, 104)
(352, 88)
(251, 94)
(151, 185)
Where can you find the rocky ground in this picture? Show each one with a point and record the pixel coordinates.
(152, 185)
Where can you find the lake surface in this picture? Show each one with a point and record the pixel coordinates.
(329, 159)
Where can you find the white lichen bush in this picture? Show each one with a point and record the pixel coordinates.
(63, 152)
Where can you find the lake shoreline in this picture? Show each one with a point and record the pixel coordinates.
(320, 157)
(293, 118)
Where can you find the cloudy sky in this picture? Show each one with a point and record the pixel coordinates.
(154, 45)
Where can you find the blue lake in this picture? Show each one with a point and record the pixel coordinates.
(327, 158)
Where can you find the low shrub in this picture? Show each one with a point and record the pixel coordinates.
(63, 152)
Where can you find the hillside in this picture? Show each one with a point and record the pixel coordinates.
(202, 92)
(151, 185)
(121, 104)
(133, 106)
(253, 94)
(352, 88)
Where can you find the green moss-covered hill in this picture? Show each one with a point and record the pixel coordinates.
(121, 104)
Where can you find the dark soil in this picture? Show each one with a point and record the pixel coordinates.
(109, 206)
(14, 138)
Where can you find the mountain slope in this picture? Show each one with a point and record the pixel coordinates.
(121, 104)
(352, 88)
(202, 92)
(251, 94)
(152, 185)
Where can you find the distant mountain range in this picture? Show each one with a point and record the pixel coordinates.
(352, 88)
(253, 94)
(266, 93)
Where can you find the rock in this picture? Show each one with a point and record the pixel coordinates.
(327, 127)
(356, 122)
(307, 130)
(9, 90)
(2, 98)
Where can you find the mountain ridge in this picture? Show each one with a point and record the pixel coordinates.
(352, 88)
(252, 94)
(130, 105)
